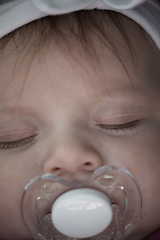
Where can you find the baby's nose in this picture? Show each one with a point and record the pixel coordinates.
(72, 157)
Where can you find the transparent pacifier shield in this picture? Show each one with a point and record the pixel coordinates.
(42, 193)
(82, 213)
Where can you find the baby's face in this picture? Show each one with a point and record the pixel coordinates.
(65, 116)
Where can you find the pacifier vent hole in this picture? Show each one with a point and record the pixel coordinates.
(50, 188)
(119, 197)
(42, 208)
(107, 181)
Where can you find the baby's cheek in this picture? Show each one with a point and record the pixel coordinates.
(15, 172)
(12, 226)
(148, 180)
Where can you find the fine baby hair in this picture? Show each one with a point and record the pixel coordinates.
(79, 119)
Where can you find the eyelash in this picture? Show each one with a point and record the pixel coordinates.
(17, 144)
(25, 141)
(120, 127)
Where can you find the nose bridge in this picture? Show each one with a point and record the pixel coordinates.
(72, 154)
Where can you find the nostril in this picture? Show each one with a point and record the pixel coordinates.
(87, 163)
(56, 169)
(88, 166)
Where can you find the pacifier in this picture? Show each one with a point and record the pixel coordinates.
(107, 205)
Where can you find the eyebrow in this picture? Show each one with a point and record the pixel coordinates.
(130, 100)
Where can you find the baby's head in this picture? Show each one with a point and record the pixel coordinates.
(79, 91)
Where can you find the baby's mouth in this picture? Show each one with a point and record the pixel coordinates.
(105, 205)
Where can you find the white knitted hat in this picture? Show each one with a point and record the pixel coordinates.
(16, 13)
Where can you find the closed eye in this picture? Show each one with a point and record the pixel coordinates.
(17, 144)
(126, 126)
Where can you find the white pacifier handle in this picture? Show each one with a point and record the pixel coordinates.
(82, 213)
(55, 7)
